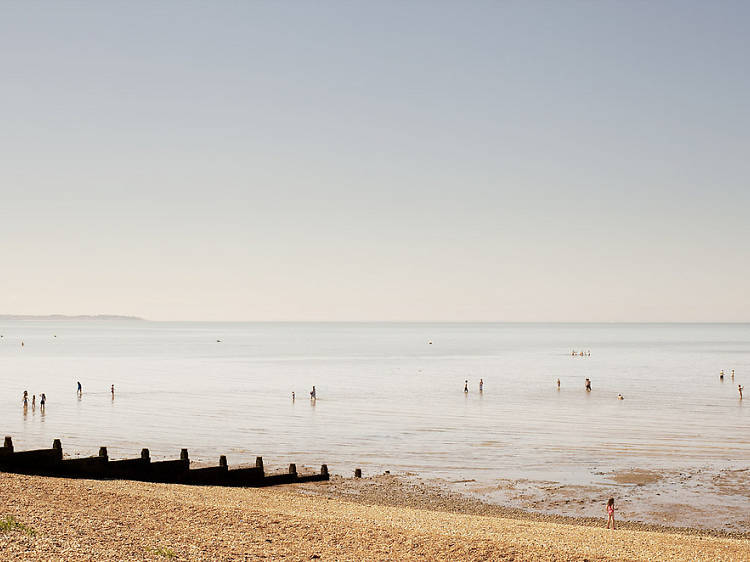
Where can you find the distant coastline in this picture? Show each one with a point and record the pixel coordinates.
(66, 317)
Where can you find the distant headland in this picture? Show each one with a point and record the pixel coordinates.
(67, 317)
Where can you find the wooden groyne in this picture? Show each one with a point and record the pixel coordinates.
(50, 462)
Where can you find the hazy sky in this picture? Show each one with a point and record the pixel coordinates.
(530, 161)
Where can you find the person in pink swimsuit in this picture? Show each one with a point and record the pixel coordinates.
(611, 513)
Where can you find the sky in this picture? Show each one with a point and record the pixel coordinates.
(376, 161)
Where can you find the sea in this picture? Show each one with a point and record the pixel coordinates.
(390, 396)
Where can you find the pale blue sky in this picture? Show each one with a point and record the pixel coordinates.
(530, 161)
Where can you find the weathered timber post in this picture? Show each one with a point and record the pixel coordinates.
(184, 455)
(8, 444)
(324, 470)
(103, 452)
(223, 461)
(145, 455)
(357, 473)
(259, 462)
(293, 469)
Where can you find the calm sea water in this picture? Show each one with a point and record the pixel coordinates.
(387, 399)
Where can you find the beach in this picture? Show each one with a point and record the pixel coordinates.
(120, 520)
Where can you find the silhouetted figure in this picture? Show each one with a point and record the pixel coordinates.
(80, 388)
(740, 388)
(481, 385)
(43, 401)
(466, 385)
(25, 398)
(588, 385)
(558, 384)
(112, 390)
(721, 375)
(33, 401)
(313, 394)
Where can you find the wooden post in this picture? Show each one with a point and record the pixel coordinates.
(259, 462)
(293, 469)
(184, 455)
(145, 455)
(8, 443)
(223, 461)
(357, 473)
(324, 469)
(103, 452)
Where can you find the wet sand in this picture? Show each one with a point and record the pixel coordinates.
(700, 498)
(383, 518)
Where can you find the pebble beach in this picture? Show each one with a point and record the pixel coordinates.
(380, 518)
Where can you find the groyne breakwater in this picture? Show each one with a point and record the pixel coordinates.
(50, 462)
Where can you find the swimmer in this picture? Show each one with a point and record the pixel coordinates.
(466, 386)
(740, 388)
(313, 394)
(620, 397)
(481, 385)
(588, 385)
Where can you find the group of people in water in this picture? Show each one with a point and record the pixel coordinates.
(43, 397)
(740, 388)
(42, 400)
(581, 353)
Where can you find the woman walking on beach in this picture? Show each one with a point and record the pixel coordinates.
(611, 513)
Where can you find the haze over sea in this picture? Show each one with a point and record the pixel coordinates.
(387, 398)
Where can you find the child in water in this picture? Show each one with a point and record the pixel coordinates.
(611, 513)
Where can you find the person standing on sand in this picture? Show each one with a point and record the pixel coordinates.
(611, 513)
(466, 385)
